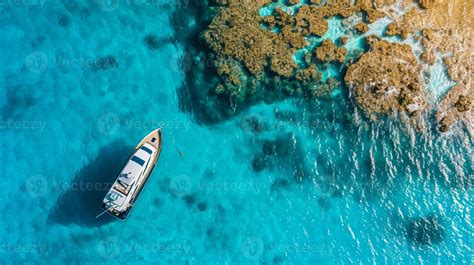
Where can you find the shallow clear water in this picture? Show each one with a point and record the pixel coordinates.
(317, 184)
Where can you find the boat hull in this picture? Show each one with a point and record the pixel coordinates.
(154, 139)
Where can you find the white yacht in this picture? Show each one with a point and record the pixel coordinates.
(121, 198)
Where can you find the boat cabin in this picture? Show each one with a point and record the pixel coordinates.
(124, 190)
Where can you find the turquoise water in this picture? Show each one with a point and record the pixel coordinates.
(289, 182)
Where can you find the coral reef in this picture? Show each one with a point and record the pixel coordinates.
(463, 104)
(393, 29)
(308, 74)
(329, 52)
(236, 34)
(443, 28)
(309, 23)
(455, 107)
(426, 4)
(428, 57)
(386, 80)
(324, 90)
(257, 57)
(361, 27)
(343, 40)
(243, 46)
(153, 42)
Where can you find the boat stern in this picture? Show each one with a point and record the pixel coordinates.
(115, 213)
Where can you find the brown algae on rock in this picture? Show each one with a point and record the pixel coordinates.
(329, 52)
(241, 43)
(386, 80)
(250, 48)
(361, 27)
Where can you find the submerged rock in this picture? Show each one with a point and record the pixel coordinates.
(282, 153)
(269, 148)
(259, 163)
(324, 202)
(343, 40)
(252, 124)
(279, 147)
(445, 124)
(455, 107)
(425, 230)
(153, 42)
(202, 206)
(64, 21)
(280, 183)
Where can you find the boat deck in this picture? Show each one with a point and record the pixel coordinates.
(122, 196)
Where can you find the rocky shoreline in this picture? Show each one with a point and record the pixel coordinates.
(253, 52)
(444, 29)
(383, 85)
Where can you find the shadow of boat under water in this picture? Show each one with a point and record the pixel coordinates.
(81, 202)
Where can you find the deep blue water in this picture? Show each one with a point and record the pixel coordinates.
(81, 82)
